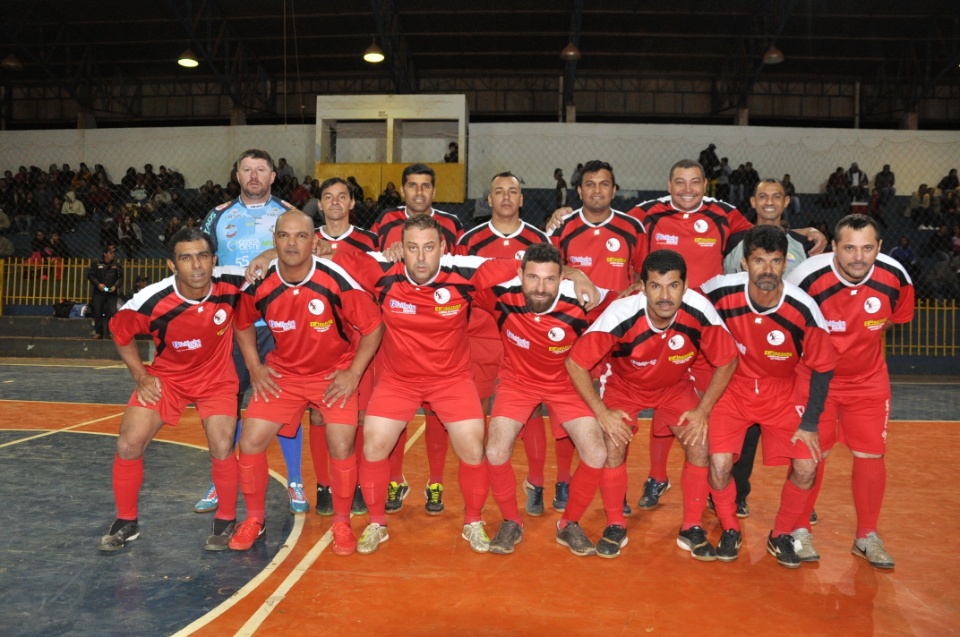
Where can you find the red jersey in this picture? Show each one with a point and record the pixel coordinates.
(772, 342)
(536, 345)
(312, 321)
(355, 239)
(701, 236)
(609, 253)
(193, 339)
(652, 358)
(857, 313)
(426, 324)
(389, 227)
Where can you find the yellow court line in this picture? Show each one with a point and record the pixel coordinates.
(51, 432)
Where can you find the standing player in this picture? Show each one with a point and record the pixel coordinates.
(316, 312)
(240, 230)
(650, 341)
(419, 181)
(505, 236)
(861, 293)
(777, 327)
(539, 318)
(190, 317)
(607, 245)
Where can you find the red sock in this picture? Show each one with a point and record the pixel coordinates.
(396, 460)
(437, 443)
(725, 503)
(343, 483)
(253, 483)
(535, 444)
(374, 477)
(127, 478)
(793, 500)
(503, 484)
(474, 484)
(564, 449)
(226, 475)
(659, 453)
(583, 486)
(803, 522)
(693, 482)
(869, 485)
(320, 453)
(613, 489)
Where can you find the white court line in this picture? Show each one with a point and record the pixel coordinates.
(51, 432)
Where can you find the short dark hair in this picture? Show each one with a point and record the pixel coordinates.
(418, 169)
(595, 166)
(767, 238)
(857, 222)
(254, 153)
(422, 222)
(541, 253)
(505, 173)
(334, 180)
(663, 261)
(187, 234)
(769, 180)
(687, 163)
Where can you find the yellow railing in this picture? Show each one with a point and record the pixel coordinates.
(26, 282)
(932, 332)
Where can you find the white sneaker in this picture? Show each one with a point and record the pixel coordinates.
(806, 552)
(477, 537)
(372, 537)
(871, 549)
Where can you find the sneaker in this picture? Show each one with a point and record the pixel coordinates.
(474, 533)
(572, 537)
(534, 500)
(871, 549)
(396, 494)
(247, 534)
(813, 518)
(220, 540)
(614, 538)
(208, 502)
(626, 507)
(298, 501)
(373, 536)
(652, 490)
(784, 548)
(695, 540)
(359, 507)
(508, 536)
(343, 541)
(743, 509)
(324, 500)
(561, 496)
(434, 495)
(729, 547)
(121, 532)
(806, 552)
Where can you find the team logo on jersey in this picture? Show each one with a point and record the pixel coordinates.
(517, 340)
(613, 244)
(583, 262)
(700, 226)
(192, 344)
(666, 239)
(316, 307)
(282, 326)
(399, 307)
(642, 364)
(556, 334)
(232, 215)
(250, 243)
(321, 326)
(220, 316)
(836, 326)
(519, 255)
(872, 305)
(675, 342)
(230, 231)
(775, 337)
(800, 409)
(441, 295)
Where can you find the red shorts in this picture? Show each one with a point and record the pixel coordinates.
(485, 356)
(365, 388)
(216, 398)
(452, 399)
(702, 372)
(298, 393)
(517, 402)
(769, 402)
(668, 403)
(856, 415)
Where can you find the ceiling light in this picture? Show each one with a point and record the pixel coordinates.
(188, 59)
(373, 54)
(570, 53)
(773, 55)
(11, 63)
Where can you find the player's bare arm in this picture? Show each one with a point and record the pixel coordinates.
(696, 430)
(612, 421)
(583, 286)
(811, 439)
(819, 241)
(261, 376)
(554, 221)
(148, 385)
(258, 265)
(343, 382)
(394, 252)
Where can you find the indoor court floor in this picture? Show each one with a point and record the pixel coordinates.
(58, 426)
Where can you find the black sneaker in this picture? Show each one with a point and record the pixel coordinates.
(534, 499)
(652, 490)
(614, 538)
(396, 494)
(324, 500)
(121, 532)
(219, 540)
(561, 496)
(743, 509)
(359, 507)
(729, 547)
(434, 495)
(572, 537)
(508, 536)
(813, 518)
(626, 507)
(782, 547)
(695, 540)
